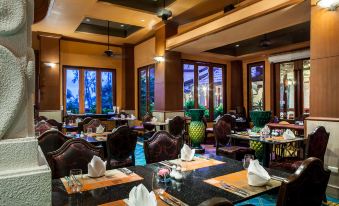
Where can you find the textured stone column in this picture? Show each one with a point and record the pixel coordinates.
(24, 175)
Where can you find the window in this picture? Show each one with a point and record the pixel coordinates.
(203, 87)
(72, 91)
(146, 76)
(256, 86)
(89, 90)
(292, 89)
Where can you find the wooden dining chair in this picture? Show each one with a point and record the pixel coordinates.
(94, 123)
(42, 127)
(216, 201)
(176, 127)
(73, 154)
(40, 118)
(55, 123)
(120, 148)
(315, 147)
(307, 186)
(161, 146)
(51, 141)
(223, 143)
(82, 123)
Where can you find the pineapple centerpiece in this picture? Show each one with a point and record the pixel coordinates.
(196, 130)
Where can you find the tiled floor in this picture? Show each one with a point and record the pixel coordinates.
(264, 200)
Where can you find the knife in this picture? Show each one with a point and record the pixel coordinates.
(281, 179)
(167, 201)
(235, 189)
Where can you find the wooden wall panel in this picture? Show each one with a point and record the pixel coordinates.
(128, 77)
(236, 84)
(49, 79)
(324, 84)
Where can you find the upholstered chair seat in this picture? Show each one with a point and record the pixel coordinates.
(120, 147)
(73, 154)
(161, 146)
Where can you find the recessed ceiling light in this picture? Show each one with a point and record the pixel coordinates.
(88, 19)
(237, 45)
(142, 20)
(122, 25)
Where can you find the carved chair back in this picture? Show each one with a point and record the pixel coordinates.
(161, 146)
(42, 127)
(73, 154)
(317, 143)
(55, 123)
(307, 186)
(121, 144)
(51, 141)
(82, 123)
(94, 123)
(147, 118)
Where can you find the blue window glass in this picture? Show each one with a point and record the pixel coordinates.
(72, 91)
(106, 92)
(90, 91)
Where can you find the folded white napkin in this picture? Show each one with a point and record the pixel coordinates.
(265, 131)
(139, 196)
(288, 134)
(187, 153)
(167, 120)
(77, 120)
(100, 129)
(97, 167)
(154, 119)
(256, 174)
(132, 116)
(122, 116)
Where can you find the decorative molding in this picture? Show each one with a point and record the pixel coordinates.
(290, 56)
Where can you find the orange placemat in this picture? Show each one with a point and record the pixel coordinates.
(104, 134)
(278, 138)
(159, 201)
(239, 180)
(112, 177)
(197, 163)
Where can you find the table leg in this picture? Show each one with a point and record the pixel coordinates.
(267, 155)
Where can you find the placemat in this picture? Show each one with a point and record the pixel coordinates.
(197, 163)
(159, 201)
(104, 134)
(239, 180)
(112, 177)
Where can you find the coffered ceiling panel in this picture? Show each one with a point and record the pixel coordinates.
(152, 6)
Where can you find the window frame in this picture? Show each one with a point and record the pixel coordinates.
(210, 66)
(298, 88)
(249, 85)
(82, 86)
(147, 68)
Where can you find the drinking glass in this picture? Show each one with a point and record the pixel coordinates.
(89, 130)
(158, 187)
(76, 177)
(247, 159)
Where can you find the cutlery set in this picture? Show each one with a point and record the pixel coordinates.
(125, 171)
(233, 188)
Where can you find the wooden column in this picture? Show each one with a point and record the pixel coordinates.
(128, 77)
(237, 98)
(324, 84)
(49, 76)
(168, 74)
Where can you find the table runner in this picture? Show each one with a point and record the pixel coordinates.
(159, 201)
(112, 177)
(197, 163)
(239, 180)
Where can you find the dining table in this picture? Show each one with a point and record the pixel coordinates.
(268, 143)
(203, 178)
(161, 125)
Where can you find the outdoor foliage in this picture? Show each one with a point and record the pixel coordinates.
(219, 110)
(72, 100)
(190, 105)
(90, 92)
(106, 92)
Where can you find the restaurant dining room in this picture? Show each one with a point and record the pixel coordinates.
(169, 102)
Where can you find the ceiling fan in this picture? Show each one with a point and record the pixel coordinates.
(108, 52)
(164, 13)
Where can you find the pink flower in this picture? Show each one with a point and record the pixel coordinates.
(163, 172)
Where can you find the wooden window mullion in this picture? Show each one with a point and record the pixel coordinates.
(210, 91)
(98, 92)
(196, 83)
(81, 91)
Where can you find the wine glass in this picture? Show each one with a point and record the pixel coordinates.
(158, 187)
(76, 177)
(247, 159)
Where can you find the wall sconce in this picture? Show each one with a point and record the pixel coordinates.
(159, 59)
(50, 65)
(328, 4)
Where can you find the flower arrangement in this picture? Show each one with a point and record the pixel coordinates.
(164, 174)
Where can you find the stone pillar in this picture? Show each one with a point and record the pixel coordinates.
(25, 177)
(168, 76)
